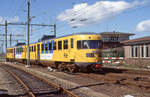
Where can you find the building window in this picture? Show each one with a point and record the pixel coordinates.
(136, 51)
(65, 44)
(59, 45)
(147, 51)
(142, 51)
(132, 51)
(71, 42)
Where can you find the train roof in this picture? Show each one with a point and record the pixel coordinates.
(80, 33)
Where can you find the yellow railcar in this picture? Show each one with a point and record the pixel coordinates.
(10, 54)
(72, 52)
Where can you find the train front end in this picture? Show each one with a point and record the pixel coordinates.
(88, 54)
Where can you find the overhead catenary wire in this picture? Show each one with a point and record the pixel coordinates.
(127, 11)
(20, 8)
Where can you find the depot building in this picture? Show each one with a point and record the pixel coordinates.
(137, 48)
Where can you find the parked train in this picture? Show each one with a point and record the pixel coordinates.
(73, 52)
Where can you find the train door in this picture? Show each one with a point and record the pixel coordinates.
(38, 52)
(71, 50)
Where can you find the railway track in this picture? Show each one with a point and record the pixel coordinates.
(124, 77)
(36, 86)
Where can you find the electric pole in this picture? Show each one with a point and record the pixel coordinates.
(10, 39)
(2, 47)
(28, 35)
(6, 41)
(55, 30)
(17, 41)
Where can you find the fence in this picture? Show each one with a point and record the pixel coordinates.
(114, 60)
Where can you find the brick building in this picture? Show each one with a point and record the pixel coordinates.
(137, 48)
(137, 52)
(113, 39)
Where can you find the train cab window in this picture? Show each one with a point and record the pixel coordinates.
(71, 42)
(89, 44)
(50, 46)
(79, 44)
(65, 44)
(59, 45)
(54, 46)
(46, 47)
(7, 51)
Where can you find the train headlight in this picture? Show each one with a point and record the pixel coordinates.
(89, 54)
(97, 66)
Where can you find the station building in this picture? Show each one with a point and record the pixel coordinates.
(113, 39)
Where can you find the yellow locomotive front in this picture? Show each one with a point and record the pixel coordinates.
(88, 51)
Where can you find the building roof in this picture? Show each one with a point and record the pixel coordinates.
(116, 33)
(137, 40)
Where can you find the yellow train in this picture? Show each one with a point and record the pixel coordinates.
(74, 52)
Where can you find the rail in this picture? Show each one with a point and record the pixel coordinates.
(22, 83)
(42, 79)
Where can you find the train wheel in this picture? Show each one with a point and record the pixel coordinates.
(61, 67)
(72, 68)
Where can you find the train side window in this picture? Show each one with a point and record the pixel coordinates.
(71, 42)
(50, 46)
(65, 44)
(59, 45)
(45, 46)
(79, 44)
(42, 46)
(54, 46)
(21, 49)
(34, 48)
(30, 49)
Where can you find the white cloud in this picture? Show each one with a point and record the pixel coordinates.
(143, 26)
(84, 14)
(9, 19)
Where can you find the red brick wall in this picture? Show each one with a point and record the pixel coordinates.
(127, 51)
(149, 49)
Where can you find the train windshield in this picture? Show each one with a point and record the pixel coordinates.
(89, 44)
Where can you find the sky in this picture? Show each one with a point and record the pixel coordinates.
(73, 16)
